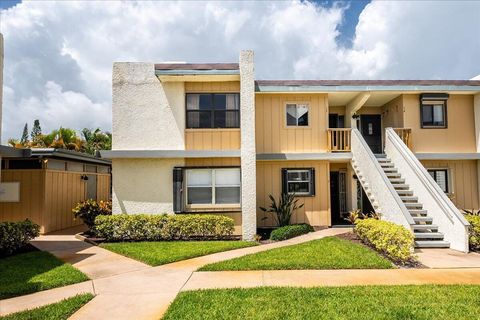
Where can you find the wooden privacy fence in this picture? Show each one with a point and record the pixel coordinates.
(339, 139)
(406, 135)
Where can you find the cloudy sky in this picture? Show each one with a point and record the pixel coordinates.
(58, 55)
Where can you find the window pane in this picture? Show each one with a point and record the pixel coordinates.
(427, 115)
(232, 119)
(298, 175)
(199, 195)
(205, 102)
(233, 101)
(298, 187)
(291, 115)
(199, 119)
(220, 119)
(193, 101)
(227, 177)
(438, 115)
(302, 114)
(227, 195)
(441, 178)
(199, 177)
(220, 101)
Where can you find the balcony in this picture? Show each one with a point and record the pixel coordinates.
(406, 135)
(339, 139)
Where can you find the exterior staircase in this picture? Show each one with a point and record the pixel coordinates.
(425, 231)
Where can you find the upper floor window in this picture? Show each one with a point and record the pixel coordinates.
(213, 110)
(441, 178)
(433, 110)
(297, 115)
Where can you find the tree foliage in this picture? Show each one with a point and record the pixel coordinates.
(90, 141)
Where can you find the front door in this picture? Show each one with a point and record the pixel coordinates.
(338, 197)
(371, 129)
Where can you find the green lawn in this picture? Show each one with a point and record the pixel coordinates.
(326, 253)
(355, 303)
(162, 252)
(35, 271)
(57, 311)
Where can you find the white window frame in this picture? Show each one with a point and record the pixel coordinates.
(213, 186)
(297, 104)
(309, 181)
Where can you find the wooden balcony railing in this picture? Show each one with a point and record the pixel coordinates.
(406, 135)
(339, 139)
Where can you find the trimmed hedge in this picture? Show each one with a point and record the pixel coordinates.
(474, 231)
(293, 230)
(391, 239)
(160, 227)
(15, 235)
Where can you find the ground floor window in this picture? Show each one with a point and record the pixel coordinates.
(219, 186)
(441, 177)
(299, 181)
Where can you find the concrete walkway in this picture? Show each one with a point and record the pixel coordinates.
(329, 278)
(447, 258)
(127, 289)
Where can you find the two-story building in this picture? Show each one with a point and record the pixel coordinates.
(190, 138)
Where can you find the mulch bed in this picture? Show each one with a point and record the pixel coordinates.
(352, 237)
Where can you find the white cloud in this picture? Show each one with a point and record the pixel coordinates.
(59, 55)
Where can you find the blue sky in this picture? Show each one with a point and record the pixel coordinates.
(59, 55)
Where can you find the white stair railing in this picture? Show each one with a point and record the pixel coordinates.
(444, 213)
(390, 206)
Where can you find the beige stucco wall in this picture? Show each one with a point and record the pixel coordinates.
(269, 181)
(458, 137)
(463, 181)
(147, 114)
(143, 185)
(392, 113)
(272, 133)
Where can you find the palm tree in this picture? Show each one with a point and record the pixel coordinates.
(97, 140)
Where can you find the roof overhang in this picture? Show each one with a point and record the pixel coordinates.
(67, 154)
(197, 71)
(448, 156)
(11, 152)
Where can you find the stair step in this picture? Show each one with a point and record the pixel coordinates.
(390, 169)
(432, 244)
(393, 175)
(409, 198)
(418, 212)
(400, 186)
(380, 155)
(402, 193)
(383, 160)
(411, 205)
(424, 227)
(428, 235)
(397, 180)
(422, 219)
(386, 164)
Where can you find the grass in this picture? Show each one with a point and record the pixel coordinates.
(162, 252)
(35, 271)
(370, 302)
(326, 253)
(56, 311)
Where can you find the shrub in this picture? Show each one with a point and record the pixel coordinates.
(89, 209)
(287, 232)
(15, 235)
(473, 231)
(391, 239)
(158, 227)
(282, 212)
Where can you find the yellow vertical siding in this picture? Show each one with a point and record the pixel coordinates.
(212, 139)
(47, 197)
(272, 134)
(463, 176)
(269, 181)
(212, 87)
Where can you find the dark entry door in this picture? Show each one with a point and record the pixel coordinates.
(371, 129)
(337, 197)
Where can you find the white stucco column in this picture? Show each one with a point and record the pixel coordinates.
(248, 153)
